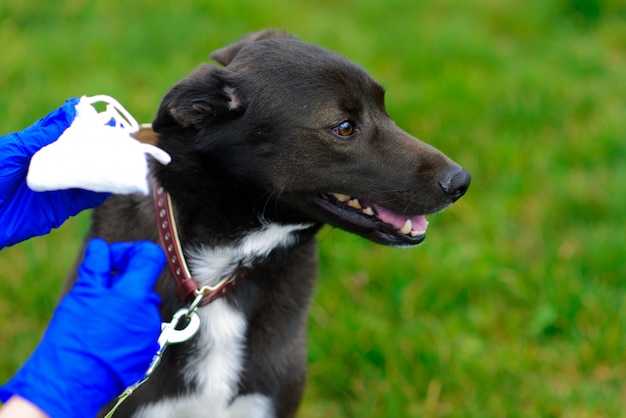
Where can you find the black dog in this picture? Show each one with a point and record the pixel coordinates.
(285, 138)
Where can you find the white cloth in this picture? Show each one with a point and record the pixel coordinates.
(97, 152)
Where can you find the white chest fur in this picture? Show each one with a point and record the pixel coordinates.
(215, 368)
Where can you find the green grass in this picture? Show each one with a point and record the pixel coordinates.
(514, 306)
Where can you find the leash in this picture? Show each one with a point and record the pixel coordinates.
(185, 322)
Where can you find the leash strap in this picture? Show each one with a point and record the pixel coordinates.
(129, 390)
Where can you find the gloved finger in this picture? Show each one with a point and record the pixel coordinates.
(139, 265)
(49, 128)
(76, 200)
(96, 265)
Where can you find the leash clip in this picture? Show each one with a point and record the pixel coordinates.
(172, 334)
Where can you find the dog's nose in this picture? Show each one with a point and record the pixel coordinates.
(455, 182)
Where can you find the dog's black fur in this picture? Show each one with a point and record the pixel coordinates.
(264, 140)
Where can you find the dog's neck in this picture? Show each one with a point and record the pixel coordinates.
(215, 209)
(209, 263)
(224, 223)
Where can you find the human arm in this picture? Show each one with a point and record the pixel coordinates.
(89, 355)
(23, 212)
(17, 406)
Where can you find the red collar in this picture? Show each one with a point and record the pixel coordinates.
(187, 287)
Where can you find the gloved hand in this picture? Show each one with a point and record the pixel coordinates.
(102, 336)
(24, 213)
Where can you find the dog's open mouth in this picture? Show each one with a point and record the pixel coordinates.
(388, 227)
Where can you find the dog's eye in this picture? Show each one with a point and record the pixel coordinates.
(344, 129)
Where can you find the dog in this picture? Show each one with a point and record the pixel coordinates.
(281, 139)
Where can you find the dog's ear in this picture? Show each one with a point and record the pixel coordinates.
(225, 55)
(206, 94)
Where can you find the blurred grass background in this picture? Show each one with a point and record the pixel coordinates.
(514, 306)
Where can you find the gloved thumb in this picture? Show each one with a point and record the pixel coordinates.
(139, 265)
(96, 265)
(49, 128)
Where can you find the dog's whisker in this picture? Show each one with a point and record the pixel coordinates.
(268, 197)
(278, 193)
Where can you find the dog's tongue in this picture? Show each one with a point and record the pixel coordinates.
(418, 222)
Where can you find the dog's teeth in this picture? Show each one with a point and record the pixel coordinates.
(368, 211)
(416, 233)
(408, 226)
(341, 197)
(354, 203)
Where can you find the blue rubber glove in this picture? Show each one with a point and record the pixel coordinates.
(102, 336)
(24, 213)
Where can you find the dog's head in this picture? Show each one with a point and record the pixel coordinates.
(309, 128)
